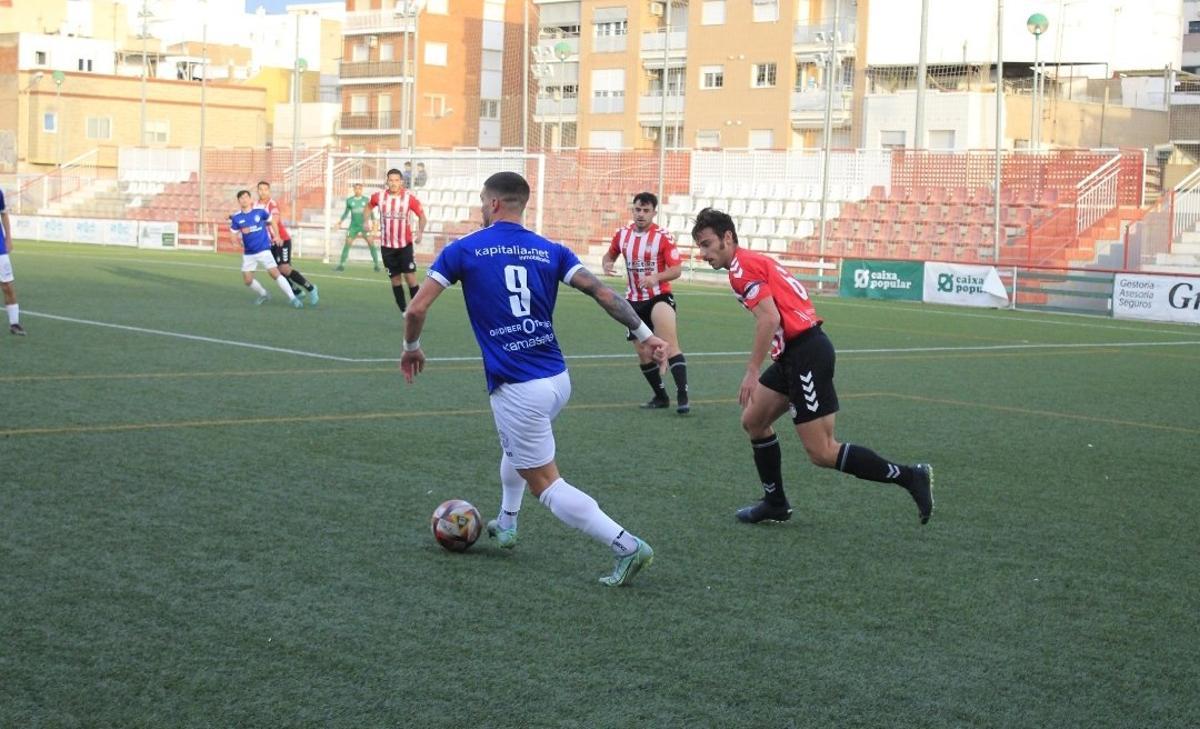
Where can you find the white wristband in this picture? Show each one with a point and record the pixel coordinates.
(642, 332)
(412, 346)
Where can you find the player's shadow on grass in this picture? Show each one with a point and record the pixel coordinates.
(174, 282)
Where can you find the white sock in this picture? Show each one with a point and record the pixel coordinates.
(257, 288)
(512, 489)
(285, 287)
(576, 509)
(14, 313)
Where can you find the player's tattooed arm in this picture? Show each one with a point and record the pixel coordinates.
(616, 306)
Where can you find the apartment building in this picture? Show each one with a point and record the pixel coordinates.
(432, 74)
(621, 74)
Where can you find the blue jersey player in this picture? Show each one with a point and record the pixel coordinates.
(6, 273)
(510, 279)
(254, 226)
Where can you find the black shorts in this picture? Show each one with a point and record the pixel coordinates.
(804, 372)
(644, 308)
(282, 253)
(399, 260)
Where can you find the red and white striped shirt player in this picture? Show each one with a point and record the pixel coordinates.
(646, 253)
(395, 211)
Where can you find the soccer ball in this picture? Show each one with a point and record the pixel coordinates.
(456, 525)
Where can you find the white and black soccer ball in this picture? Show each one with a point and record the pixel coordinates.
(456, 525)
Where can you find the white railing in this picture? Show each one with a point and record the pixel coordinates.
(309, 172)
(653, 103)
(858, 169)
(376, 21)
(69, 177)
(1096, 194)
(652, 41)
(1185, 205)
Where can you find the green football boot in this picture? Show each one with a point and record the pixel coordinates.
(505, 538)
(628, 566)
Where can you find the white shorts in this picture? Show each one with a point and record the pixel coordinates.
(5, 269)
(251, 261)
(524, 412)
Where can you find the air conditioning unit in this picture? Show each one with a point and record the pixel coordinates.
(819, 36)
(650, 133)
(658, 9)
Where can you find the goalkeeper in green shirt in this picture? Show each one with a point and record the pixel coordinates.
(355, 207)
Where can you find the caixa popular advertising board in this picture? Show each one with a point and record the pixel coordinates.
(1156, 298)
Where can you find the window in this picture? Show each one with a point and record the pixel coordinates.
(493, 10)
(1194, 26)
(489, 108)
(609, 32)
(941, 139)
(99, 127)
(762, 139)
(611, 28)
(708, 138)
(890, 139)
(712, 12)
(608, 90)
(158, 131)
(85, 64)
(358, 52)
(762, 76)
(50, 122)
(673, 135)
(559, 31)
(712, 77)
(358, 104)
(435, 54)
(605, 139)
(437, 7)
(387, 51)
(39, 58)
(766, 11)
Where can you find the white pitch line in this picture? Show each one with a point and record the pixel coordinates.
(193, 337)
(476, 358)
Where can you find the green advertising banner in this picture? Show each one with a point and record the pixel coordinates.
(882, 279)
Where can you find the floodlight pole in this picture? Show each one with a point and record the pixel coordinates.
(999, 128)
(145, 16)
(827, 143)
(922, 70)
(203, 110)
(525, 76)
(662, 127)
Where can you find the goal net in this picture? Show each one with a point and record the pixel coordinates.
(447, 184)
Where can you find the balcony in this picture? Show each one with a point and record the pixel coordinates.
(808, 107)
(367, 22)
(608, 104)
(554, 108)
(815, 38)
(370, 72)
(653, 42)
(652, 103)
(379, 122)
(609, 44)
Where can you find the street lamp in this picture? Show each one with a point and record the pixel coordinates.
(1037, 24)
(562, 51)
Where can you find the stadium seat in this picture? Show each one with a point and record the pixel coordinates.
(755, 208)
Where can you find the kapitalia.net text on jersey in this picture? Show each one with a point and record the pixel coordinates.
(519, 251)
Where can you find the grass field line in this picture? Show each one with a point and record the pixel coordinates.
(324, 418)
(917, 307)
(402, 415)
(478, 366)
(621, 355)
(1042, 413)
(1037, 318)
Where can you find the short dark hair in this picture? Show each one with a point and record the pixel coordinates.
(264, 182)
(243, 192)
(510, 187)
(719, 222)
(408, 164)
(394, 171)
(646, 198)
